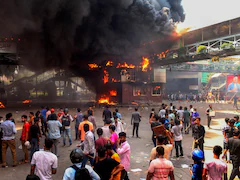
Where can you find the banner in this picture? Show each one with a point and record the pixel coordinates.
(233, 83)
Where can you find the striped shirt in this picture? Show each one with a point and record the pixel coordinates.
(160, 168)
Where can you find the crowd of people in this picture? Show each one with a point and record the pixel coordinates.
(178, 121)
(108, 155)
(104, 153)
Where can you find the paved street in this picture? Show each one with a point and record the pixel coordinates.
(140, 148)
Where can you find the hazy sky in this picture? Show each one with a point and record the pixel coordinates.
(201, 13)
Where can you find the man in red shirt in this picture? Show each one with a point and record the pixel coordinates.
(24, 137)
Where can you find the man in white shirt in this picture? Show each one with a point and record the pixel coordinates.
(176, 130)
(162, 112)
(44, 163)
(118, 125)
(105, 128)
(89, 145)
(180, 113)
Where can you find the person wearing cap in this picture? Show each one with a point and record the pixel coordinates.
(66, 120)
(76, 157)
(81, 127)
(233, 146)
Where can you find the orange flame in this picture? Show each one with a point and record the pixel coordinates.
(113, 93)
(105, 100)
(134, 103)
(27, 101)
(145, 63)
(180, 30)
(109, 63)
(125, 65)
(93, 66)
(105, 77)
(1, 105)
(114, 80)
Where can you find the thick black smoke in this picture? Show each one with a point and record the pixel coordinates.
(72, 33)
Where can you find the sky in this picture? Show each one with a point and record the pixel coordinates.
(201, 13)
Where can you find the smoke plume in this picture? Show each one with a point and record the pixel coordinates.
(73, 33)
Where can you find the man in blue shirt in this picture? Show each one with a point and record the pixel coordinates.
(76, 157)
(78, 118)
(234, 86)
(54, 131)
(8, 139)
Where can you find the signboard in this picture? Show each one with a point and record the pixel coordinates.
(8, 47)
(233, 83)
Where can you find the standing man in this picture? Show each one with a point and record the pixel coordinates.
(235, 100)
(162, 142)
(118, 114)
(216, 168)
(124, 150)
(198, 133)
(186, 120)
(54, 132)
(8, 139)
(92, 119)
(177, 133)
(79, 118)
(31, 118)
(76, 158)
(106, 168)
(107, 114)
(66, 128)
(233, 145)
(162, 112)
(105, 128)
(24, 137)
(44, 163)
(100, 141)
(237, 121)
(180, 113)
(81, 127)
(209, 118)
(89, 145)
(118, 125)
(35, 135)
(160, 168)
(135, 120)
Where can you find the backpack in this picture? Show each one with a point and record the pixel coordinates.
(81, 173)
(66, 120)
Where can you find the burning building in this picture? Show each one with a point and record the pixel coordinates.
(131, 84)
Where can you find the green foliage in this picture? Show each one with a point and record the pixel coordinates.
(201, 49)
(227, 45)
